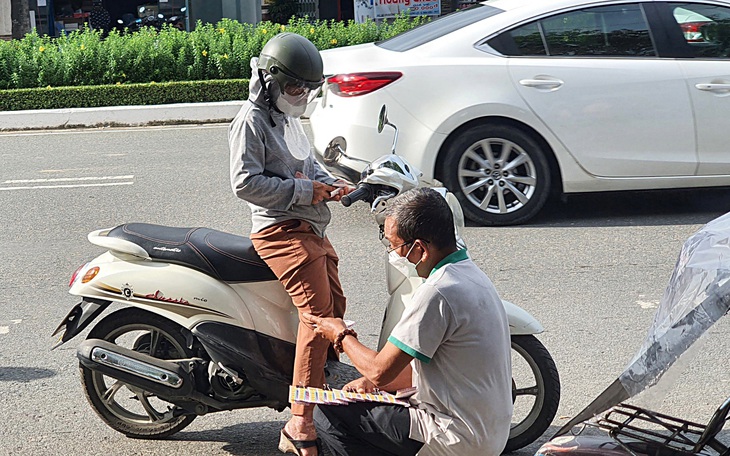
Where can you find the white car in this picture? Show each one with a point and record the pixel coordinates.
(511, 101)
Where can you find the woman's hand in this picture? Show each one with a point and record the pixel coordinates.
(342, 190)
(320, 191)
(328, 327)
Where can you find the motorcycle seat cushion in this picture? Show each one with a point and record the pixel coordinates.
(224, 256)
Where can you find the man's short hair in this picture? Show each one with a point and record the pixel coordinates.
(422, 213)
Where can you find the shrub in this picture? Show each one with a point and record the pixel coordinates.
(123, 94)
(220, 51)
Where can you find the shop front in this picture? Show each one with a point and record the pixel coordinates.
(54, 17)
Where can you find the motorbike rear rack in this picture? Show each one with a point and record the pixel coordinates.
(626, 421)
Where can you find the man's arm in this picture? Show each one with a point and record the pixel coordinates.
(386, 368)
(382, 368)
(363, 385)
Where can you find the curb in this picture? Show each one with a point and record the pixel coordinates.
(120, 116)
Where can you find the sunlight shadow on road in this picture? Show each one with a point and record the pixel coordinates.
(24, 374)
(245, 439)
(645, 208)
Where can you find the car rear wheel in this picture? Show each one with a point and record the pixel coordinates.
(500, 174)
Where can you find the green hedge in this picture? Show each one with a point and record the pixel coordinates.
(124, 94)
(221, 51)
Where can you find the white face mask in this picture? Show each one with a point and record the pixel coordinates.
(292, 105)
(401, 263)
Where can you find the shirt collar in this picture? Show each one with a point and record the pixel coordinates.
(459, 255)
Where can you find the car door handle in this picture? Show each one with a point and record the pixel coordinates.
(713, 87)
(541, 83)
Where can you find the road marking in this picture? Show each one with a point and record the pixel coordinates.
(648, 304)
(6, 329)
(36, 187)
(72, 182)
(67, 179)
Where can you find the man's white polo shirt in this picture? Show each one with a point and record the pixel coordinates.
(456, 329)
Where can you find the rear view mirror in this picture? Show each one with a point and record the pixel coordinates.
(382, 118)
(335, 150)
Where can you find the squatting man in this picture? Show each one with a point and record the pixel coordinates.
(452, 343)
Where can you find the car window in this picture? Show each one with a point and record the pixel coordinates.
(706, 28)
(608, 31)
(439, 27)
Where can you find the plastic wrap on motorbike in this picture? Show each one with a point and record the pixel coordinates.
(135, 368)
(697, 296)
(267, 362)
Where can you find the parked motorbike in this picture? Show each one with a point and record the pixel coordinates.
(133, 24)
(178, 21)
(698, 294)
(207, 327)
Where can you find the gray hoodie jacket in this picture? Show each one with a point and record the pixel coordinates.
(263, 168)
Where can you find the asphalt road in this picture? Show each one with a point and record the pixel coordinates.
(591, 269)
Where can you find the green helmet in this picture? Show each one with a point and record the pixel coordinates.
(292, 60)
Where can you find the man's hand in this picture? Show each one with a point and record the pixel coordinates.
(328, 327)
(361, 385)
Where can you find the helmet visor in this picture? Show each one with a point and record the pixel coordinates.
(301, 93)
(295, 84)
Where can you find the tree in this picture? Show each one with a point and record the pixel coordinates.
(20, 18)
(280, 11)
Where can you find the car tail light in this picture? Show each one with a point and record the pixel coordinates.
(692, 31)
(356, 84)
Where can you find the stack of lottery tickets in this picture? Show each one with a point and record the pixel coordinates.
(312, 395)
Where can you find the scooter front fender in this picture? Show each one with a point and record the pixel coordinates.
(521, 323)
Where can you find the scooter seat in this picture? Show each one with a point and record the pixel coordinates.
(225, 256)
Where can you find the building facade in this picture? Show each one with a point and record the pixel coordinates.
(6, 22)
(53, 17)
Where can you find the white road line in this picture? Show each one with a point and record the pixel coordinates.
(108, 184)
(67, 179)
(6, 329)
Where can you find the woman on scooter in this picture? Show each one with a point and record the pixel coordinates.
(272, 169)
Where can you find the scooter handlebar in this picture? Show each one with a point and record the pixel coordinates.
(363, 191)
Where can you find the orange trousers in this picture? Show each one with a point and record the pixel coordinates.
(306, 265)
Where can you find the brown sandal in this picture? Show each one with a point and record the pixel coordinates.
(289, 445)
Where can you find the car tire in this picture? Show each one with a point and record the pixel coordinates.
(499, 173)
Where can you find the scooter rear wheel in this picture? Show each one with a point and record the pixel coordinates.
(536, 391)
(126, 409)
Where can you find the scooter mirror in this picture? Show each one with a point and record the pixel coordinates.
(382, 118)
(335, 150)
(383, 121)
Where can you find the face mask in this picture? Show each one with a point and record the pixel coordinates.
(292, 105)
(401, 263)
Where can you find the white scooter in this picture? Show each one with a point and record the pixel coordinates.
(207, 327)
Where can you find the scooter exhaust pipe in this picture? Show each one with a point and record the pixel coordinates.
(164, 378)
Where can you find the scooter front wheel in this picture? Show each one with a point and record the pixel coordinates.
(125, 408)
(535, 391)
